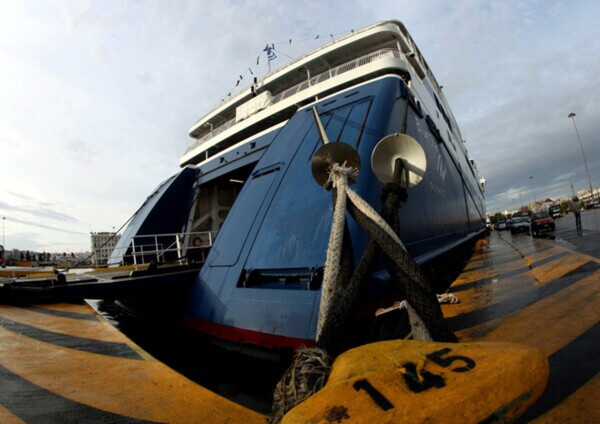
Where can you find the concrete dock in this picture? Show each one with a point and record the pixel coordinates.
(544, 293)
(65, 363)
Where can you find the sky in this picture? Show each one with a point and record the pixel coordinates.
(97, 97)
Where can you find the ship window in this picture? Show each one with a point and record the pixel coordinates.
(450, 140)
(336, 125)
(266, 171)
(441, 109)
(346, 123)
(355, 124)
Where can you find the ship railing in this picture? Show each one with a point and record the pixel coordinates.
(308, 83)
(165, 247)
(352, 33)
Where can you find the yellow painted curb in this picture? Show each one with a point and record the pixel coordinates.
(413, 382)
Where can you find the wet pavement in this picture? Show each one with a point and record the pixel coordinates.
(589, 242)
(542, 292)
(63, 363)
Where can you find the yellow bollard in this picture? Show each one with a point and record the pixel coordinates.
(412, 381)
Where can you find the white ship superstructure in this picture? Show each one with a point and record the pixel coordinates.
(380, 49)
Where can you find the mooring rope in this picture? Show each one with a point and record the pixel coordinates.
(295, 387)
(448, 298)
(338, 177)
(370, 213)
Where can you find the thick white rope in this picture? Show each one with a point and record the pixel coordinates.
(447, 298)
(419, 330)
(372, 214)
(417, 326)
(338, 176)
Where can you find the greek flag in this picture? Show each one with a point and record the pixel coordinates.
(270, 53)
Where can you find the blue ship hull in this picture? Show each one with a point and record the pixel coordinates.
(260, 282)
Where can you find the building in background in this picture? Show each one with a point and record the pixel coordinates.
(586, 198)
(103, 244)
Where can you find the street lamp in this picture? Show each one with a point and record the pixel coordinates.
(572, 116)
(533, 187)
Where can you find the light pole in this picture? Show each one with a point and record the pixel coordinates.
(572, 116)
(520, 201)
(3, 242)
(533, 187)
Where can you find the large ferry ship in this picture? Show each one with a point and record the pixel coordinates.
(246, 207)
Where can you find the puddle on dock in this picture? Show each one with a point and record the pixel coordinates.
(545, 236)
(245, 378)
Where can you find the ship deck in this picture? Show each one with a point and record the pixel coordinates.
(64, 362)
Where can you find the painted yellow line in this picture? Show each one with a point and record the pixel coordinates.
(96, 329)
(7, 418)
(567, 249)
(547, 273)
(140, 389)
(83, 308)
(498, 287)
(135, 347)
(493, 291)
(532, 256)
(472, 276)
(119, 268)
(549, 324)
(583, 406)
(490, 272)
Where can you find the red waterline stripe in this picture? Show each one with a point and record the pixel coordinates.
(245, 336)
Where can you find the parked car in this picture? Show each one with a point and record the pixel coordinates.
(520, 224)
(501, 225)
(542, 221)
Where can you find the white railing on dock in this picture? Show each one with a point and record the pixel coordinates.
(162, 247)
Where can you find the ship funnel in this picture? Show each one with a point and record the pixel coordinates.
(403, 147)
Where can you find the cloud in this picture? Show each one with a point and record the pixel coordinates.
(46, 227)
(39, 211)
(80, 150)
(97, 101)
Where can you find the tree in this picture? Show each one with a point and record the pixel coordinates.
(27, 256)
(498, 216)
